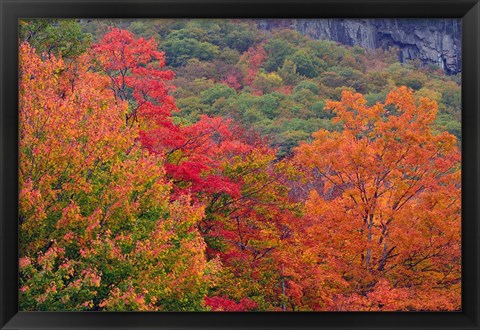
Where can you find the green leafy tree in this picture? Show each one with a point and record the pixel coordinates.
(277, 51)
(288, 72)
(307, 64)
(62, 37)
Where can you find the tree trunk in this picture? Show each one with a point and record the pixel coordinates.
(383, 260)
(369, 239)
(284, 306)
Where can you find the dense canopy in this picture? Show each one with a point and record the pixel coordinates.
(205, 165)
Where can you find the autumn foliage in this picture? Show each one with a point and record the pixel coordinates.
(396, 242)
(123, 208)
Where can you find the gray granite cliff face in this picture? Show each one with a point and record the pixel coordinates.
(432, 41)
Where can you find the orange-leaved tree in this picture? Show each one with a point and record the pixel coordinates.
(98, 229)
(385, 225)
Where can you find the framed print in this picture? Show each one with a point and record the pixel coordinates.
(239, 164)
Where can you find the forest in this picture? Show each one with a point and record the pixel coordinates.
(210, 165)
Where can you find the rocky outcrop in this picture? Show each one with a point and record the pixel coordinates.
(432, 41)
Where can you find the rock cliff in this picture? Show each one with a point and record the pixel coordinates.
(432, 41)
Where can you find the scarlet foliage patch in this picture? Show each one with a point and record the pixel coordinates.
(227, 305)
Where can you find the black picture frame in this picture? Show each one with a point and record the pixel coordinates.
(12, 10)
